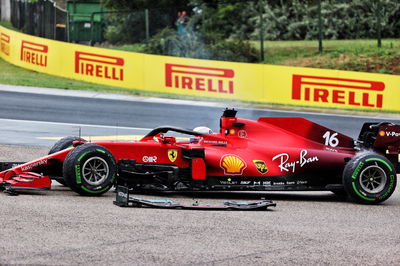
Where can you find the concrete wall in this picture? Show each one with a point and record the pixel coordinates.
(5, 10)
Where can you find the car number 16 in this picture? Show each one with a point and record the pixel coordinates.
(331, 139)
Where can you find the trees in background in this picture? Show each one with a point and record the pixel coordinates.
(298, 19)
(221, 29)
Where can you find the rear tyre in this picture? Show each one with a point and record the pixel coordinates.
(369, 178)
(60, 145)
(89, 170)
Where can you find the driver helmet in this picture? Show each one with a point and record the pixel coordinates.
(203, 130)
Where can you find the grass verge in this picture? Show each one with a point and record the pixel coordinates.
(351, 55)
(8, 25)
(13, 75)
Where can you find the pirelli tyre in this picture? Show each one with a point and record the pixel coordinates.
(60, 145)
(63, 143)
(369, 178)
(89, 170)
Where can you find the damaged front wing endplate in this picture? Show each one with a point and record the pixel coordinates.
(24, 182)
(123, 199)
(14, 179)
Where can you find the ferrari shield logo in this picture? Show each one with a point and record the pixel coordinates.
(261, 166)
(172, 155)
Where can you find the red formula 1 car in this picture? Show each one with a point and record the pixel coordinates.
(287, 154)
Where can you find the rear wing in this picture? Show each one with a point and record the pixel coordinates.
(383, 136)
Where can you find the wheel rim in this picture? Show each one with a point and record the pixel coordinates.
(373, 179)
(95, 171)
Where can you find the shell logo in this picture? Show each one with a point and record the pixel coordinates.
(232, 165)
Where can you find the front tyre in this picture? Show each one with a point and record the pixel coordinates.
(60, 145)
(89, 170)
(64, 143)
(369, 178)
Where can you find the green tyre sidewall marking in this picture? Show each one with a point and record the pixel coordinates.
(359, 194)
(96, 191)
(102, 187)
(390, 182)
(357, 170)
(78, 175)
(62, 144)
(380, 160)
(73, 169)
(83, 155)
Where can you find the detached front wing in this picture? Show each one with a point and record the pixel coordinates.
(123, 199)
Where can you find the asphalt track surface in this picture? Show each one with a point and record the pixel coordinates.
(27, 115)
(60, 228)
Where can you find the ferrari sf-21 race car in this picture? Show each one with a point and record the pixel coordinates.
(270, 154)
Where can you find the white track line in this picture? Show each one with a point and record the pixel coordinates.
(71, 124)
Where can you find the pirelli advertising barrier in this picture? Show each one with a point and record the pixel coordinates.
(204, 78)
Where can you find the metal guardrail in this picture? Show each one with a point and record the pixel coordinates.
(39, 18)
